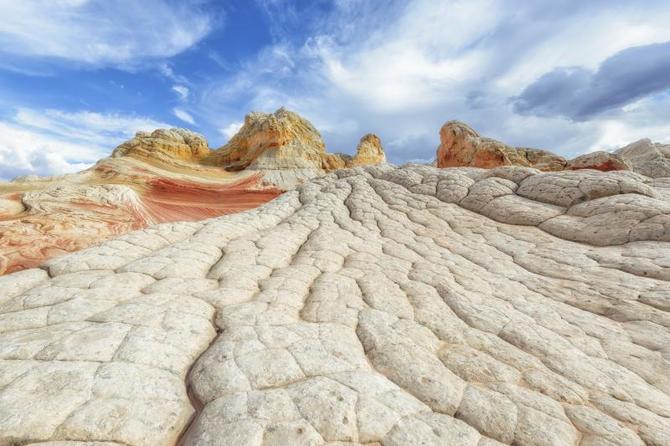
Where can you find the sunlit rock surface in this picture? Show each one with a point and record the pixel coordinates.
(412, 306)
(462, 146)
(43, 218)
(288, 149)
(162, 176)
(166, 145)
(369, 152)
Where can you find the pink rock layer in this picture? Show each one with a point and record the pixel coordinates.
(30, 237)
(180, 200)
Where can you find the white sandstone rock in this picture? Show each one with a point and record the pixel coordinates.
(376, 305)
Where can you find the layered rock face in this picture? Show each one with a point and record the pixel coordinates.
(370, 306)
(166, 145)
(648, 158)
(165, 175)
(280, 140)
(43, 218)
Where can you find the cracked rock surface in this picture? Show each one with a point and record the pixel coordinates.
(409, 306)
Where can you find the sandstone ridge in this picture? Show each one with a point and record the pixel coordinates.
(462, 146)
(376, 305)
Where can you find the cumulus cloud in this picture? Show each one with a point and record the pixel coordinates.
(99, 32)
(183, 115)
(23, 152)
(54, 142)
(403, 71)
(579, 93)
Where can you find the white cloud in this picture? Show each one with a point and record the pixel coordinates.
(54, 142)
(403, 71)
(183, 115)
(166, 70)
(182, 91)
(101, 129)
(230, 130)
(23, 152)
(99, 32)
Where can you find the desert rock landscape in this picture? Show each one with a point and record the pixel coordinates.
(163, 176)
(507, 296)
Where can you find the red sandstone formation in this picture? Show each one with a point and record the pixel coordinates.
(41, 219)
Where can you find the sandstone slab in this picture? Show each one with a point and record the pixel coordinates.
(370, 306)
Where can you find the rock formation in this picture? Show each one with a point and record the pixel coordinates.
(411, 306)
(166, 175)
(288, 149)
(648, 158)
(600, 160)
(137, 187)
(166, 145)
(369, 152)
(461, 146)
(280, 140)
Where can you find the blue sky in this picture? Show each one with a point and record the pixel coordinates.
(78, 77)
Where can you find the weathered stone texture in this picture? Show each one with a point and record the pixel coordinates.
(370, 306)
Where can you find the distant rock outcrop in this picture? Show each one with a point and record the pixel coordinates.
(284, 140)
(288, 150)
(369, 151)
(600, 160)
(462, 146)
(280, 140)
(647, 158)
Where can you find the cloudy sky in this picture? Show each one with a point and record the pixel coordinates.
(78, 77)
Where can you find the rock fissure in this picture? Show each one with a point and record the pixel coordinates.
(364, 307)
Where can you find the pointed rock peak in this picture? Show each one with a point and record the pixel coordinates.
(369, 151)
(281, 123)
(279, 140)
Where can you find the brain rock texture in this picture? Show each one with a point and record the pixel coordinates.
(377, 305)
